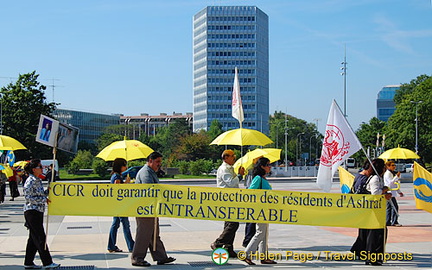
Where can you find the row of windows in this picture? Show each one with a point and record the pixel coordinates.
(231, 45)
(228, 106)
(250, 54)
(231, 18)
(231, 71)
(230, 80)
(230, 125)
(231, 27)
(199, 56)
(243, 89)
(231, 36)
(232, 62)
(229, 115)
(228, 98)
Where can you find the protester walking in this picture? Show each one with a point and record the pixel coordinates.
(259, 240)
(13, 184)
(34, 207)
(227, 178)
(119, 166)
(371, 241)
(148, 226)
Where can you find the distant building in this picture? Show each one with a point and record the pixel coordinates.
(90, 125)
(148, 124)
(225, 37)
(385, 103)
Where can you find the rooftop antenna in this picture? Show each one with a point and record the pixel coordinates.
(53, 85)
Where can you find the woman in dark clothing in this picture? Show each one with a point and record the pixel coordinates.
(34, 207)
(372, 241)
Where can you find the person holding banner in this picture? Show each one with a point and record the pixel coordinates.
(391, 179)
(34, 207)
(147, 232)
(119, 166)
(371, 241)
(227, 178)
(259, 240)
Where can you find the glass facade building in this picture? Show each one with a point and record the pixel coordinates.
(225, 37)
(90, 125)
(385, 103)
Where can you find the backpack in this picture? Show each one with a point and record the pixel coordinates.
(360, 183)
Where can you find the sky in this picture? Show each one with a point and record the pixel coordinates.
(135, 56)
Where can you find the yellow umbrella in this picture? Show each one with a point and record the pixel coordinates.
(399, 153)
(242, 136)
(9, 143)
(246, 161)
(127, 149)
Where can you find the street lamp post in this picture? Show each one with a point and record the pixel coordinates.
(416, 125)
(310, 147)
(298, 146)
(286, 144)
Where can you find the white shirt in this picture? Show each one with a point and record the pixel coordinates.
(390, 181)
(226, 177)
(375, 186)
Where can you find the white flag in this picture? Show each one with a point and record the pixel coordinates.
(339, 143)
(237, 106)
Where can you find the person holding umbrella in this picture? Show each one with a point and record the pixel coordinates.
(119, 166)
(34, 207)
(391, 179)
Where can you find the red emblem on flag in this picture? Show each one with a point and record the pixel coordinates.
(334, 146)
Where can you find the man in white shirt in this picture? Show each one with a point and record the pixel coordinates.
(227, 178)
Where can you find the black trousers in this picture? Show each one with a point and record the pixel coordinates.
(250, 230)
(13, 187)
(226, 239)
(370, 240)
(36, 240)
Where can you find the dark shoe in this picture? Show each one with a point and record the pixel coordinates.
(165, 261)
(214, 246)
(33, 266)
(52, 266)
(232, 254)
(114, 250)
(12, 199)
(248, 261)
(141, 263)
(377, 263)
(267, 261)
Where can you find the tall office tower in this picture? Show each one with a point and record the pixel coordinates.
(225, 37)
(385, 103)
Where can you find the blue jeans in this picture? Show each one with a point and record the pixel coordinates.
(126, 231)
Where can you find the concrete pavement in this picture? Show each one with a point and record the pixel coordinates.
(80, 242)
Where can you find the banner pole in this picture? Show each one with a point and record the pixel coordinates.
(155, 233)
(49, 182)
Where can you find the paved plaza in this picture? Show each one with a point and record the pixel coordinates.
(81, 242)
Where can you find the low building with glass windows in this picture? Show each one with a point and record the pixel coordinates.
(91, 125)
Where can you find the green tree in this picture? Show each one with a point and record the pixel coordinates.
(215, 129)
(22, 104)
(401, 128)
(100, 167)
(308, 140)
(106, 139)
(82, 160)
